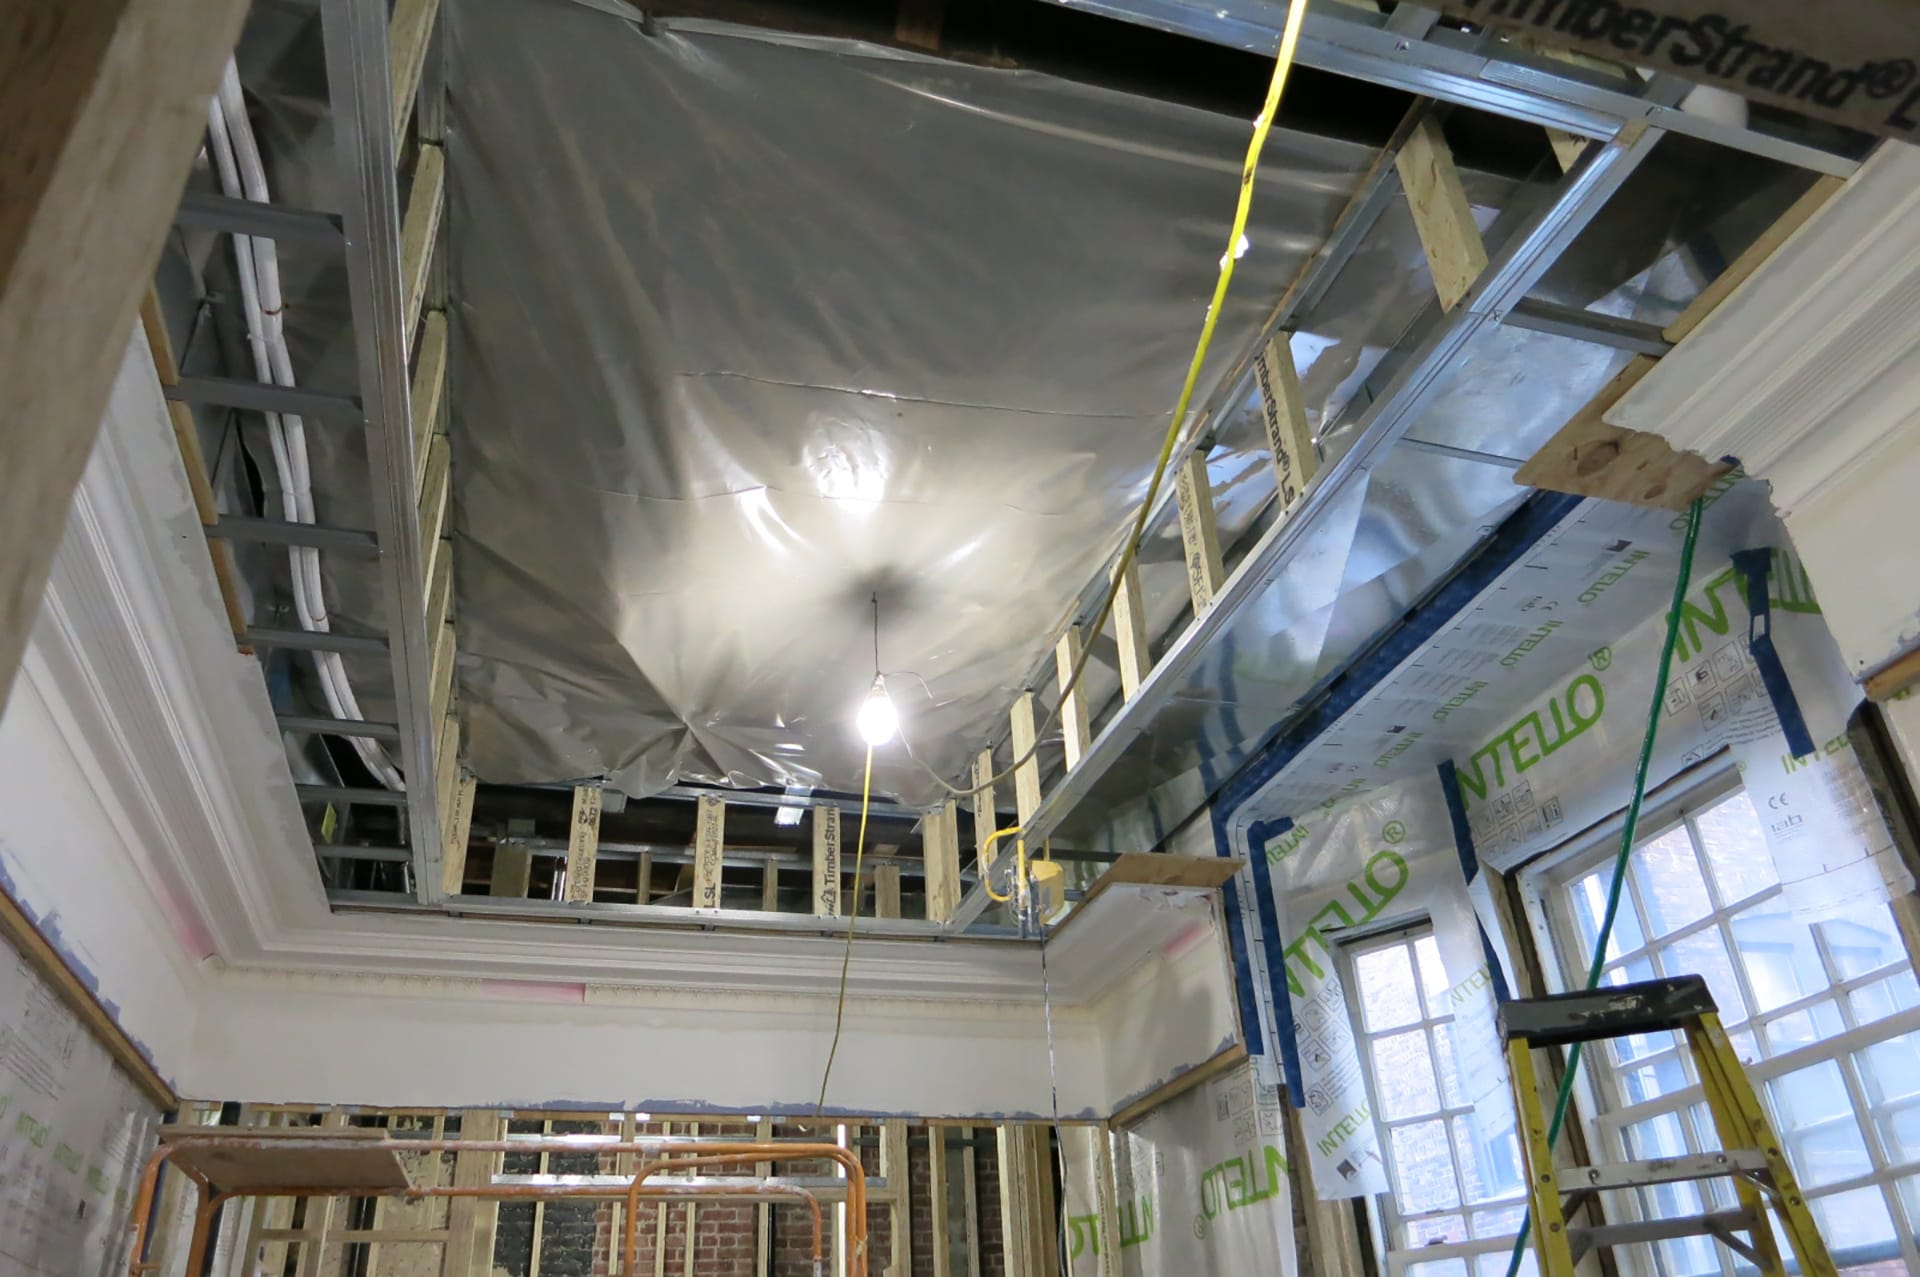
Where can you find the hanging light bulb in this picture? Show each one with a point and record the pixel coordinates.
(877, 720)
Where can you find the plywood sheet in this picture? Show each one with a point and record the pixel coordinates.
(350, 1159)
(1590, 458)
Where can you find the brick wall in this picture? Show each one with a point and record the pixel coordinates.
(578, 1238)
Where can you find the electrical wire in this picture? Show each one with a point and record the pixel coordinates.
(1262, 124)
(1598, 964)
(853, 916)
(242, 174)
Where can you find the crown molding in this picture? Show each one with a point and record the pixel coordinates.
(1806, 372)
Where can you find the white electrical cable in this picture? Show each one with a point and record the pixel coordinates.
(236, 156)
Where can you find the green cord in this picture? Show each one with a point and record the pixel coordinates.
(1598, 965)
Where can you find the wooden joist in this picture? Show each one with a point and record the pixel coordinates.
(1455, 252)
(103, 104)
(826, 860)
(984, 815)
(886, 891)
(446, 777)
(583, 843)
(709, 849)
(1283, 413)
(456, 826)
(419, 231)
(1567, 148)
(1075, 727)
(512, 872)
(1026, 777)
(1199, 532)
(1130, 632)
(940, 852)
(436, 491)
(428, 388)
(441, 673)
(409, 36)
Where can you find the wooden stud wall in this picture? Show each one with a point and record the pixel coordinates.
(709, 847)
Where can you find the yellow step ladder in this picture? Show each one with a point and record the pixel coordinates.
(1751, 1156)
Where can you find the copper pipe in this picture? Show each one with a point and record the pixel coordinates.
(210, 1200)
(741, 1192)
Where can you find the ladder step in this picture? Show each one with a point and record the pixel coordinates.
(1721, 1224)
(1662, 1170)
(1621, 1010)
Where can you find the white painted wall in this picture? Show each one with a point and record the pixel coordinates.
(398, 1042)
(1176, 1010)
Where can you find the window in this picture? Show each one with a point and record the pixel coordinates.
(1458, 1194)
(1825, 1015)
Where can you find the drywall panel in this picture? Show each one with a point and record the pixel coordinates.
(1175, 1010)
(74, 1131)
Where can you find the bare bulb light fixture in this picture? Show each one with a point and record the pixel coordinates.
(877, 719)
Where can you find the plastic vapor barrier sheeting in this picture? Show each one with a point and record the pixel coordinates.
(1537, 693)
(1201, 1187)
(748, 327)
(1386, 856)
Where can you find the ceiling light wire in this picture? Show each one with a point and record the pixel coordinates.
(1262, 124)
(853, 916)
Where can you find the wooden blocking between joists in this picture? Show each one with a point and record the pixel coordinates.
(441, 672)
(886, 891)
(1026, 777)
(446, 766)
(436, 492)
(1589, 458)
(1567, 148)
(427, 389)
(1199, 532)
(456, 829)
(1130, 632)
(512, 872)
(984, 815)
(940, 854)
(409, 36)
(709, 849)
(1283, 411)
(1455, 252)
(583, 843)
(418, 232)
(1075, 726)
(826, 860)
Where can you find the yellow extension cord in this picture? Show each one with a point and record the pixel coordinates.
(1262, 124)
(853, 915)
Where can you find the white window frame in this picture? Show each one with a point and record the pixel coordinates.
(1543, 882)
(1383, 1208)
